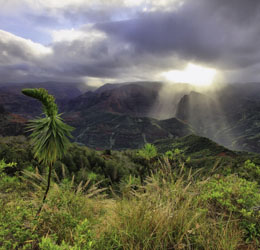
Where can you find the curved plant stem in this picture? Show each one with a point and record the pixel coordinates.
(46, 192)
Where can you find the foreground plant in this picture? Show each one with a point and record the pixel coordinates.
(49, 134)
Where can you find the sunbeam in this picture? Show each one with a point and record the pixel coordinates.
(192, 74)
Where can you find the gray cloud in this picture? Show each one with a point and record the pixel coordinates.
(219, 33)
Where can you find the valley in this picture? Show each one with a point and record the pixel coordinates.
(128, 115)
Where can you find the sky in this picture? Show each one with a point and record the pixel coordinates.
(98, 41)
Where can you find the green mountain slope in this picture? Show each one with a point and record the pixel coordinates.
(205, 153)
(115, 131)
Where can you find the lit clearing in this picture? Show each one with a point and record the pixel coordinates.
(192, 74)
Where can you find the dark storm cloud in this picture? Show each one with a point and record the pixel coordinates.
(238, 11)
(159, 34)
(106, 58)
(218, 32)
(97, 59)
(223, 34)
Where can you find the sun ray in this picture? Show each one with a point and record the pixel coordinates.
(192, 74)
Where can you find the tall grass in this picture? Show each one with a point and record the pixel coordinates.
(168, 211)
(165, 213)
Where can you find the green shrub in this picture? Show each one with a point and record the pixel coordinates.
(17, 223)
(48, 243)
(251, 171)
(82, 239)
(148, 152)
(237, 196)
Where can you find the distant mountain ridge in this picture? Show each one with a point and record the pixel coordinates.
(132, 99)
(117, 115)
(15, 102)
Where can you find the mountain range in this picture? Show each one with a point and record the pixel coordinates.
(128, 115)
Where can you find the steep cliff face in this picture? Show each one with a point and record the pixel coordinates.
(131, 99)
(230, 117)
(200, 111)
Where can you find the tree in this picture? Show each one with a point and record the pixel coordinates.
(49, 135)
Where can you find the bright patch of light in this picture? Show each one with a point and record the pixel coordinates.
(192, 74)
(68, 35)
(96, 82)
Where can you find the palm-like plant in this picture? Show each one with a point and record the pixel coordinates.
(49, 134)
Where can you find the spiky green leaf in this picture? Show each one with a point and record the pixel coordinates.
(49, 134)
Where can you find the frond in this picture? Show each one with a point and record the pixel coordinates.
(49, 138)
(48, 101)
(50, 135)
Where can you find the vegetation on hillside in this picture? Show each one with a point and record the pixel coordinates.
(128, 200)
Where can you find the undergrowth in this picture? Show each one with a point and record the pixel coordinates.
(173, 209)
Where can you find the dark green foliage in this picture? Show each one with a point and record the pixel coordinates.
(49, 138)
(17, 149)
(145, 159)
(193, 145)
(201, 153)
(111, 167)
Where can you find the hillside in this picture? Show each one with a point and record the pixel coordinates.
(11, 124)
(195, 151)
(116, 131)
(204, 153)
(193, 145)
(110, 199)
